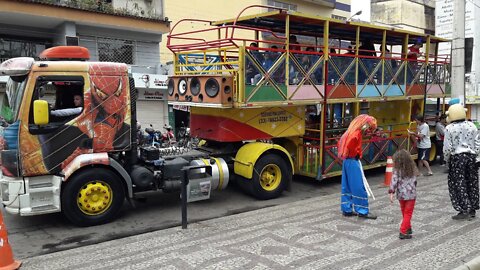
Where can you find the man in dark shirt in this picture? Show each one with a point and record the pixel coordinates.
(366, 49)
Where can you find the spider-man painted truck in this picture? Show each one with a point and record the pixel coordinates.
(86, 164)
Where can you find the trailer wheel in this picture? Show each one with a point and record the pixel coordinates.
(270, 176)
(92, 197)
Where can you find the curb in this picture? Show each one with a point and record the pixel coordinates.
(471, 265)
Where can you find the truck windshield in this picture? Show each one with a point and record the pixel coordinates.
(12, 98)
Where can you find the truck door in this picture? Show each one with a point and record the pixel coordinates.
(110, 98)
(47, 149)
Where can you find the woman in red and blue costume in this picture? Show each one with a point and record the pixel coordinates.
(354, 197)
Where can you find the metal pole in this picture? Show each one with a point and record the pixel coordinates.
(184, 198)
(458, 51)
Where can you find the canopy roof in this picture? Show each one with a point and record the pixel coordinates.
(308, 25)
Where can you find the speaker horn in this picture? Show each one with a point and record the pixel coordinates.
(195, 86)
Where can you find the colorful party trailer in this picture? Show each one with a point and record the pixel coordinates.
(274, 91)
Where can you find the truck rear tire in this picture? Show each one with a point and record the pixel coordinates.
(92, 197)
(270, 177)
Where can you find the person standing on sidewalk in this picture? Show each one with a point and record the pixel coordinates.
(439, 135)
(354, 196)
(423, 143)
(461, 147)
(404, 184)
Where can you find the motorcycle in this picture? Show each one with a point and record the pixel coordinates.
(158, 139)
(168, 138)
(184, 136)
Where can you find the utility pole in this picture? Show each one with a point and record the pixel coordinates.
(458, 51)
(476, 48)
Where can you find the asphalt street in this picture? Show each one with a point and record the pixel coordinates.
(37, 235)
(306, 234)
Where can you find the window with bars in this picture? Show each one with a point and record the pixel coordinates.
(10, 48)
(116, 50)
(282, 5)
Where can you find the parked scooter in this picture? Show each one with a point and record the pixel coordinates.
(153, 137)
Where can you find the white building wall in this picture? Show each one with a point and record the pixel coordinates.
(413, 15)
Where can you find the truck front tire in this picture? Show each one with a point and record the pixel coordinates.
(92, 197)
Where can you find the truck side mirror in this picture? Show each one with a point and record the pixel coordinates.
(40, 112)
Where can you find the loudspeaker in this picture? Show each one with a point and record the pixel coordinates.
(201, 89)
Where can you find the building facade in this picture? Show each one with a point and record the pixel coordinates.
(412, 15)
(113, 30)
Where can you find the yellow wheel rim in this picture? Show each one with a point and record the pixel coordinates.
(433, 153)
(270, 177)
(94, 198)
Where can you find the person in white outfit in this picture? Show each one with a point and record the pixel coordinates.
(461, 147)
(423, 143)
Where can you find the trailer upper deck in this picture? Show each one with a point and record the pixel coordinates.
(333, 61)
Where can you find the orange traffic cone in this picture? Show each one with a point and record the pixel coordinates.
(6, 257)
(388, 171)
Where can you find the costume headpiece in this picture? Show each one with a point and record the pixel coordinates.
(361, 122)
(456, 112)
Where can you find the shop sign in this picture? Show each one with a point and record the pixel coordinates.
(473, 100)
(150, 81)
(181, 108)
(151, 94)
(150, 86)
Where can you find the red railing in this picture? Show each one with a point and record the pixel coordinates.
(226, 41)
(375, 150)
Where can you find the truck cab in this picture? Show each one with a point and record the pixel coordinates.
(84, 163)
(41, 150)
